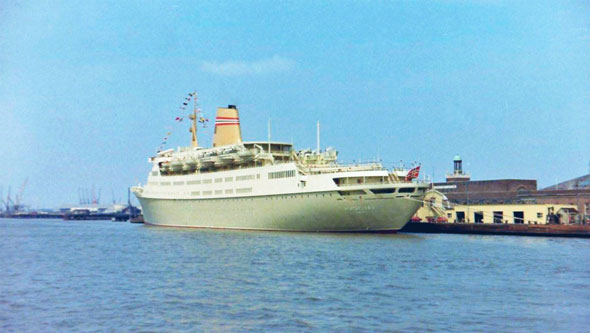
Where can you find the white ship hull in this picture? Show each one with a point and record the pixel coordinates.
(311, 212)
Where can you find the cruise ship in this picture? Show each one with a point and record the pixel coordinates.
(264, 185)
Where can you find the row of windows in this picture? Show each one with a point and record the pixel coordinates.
(218, 192)
(249, 190)
(209, 181)
(246, 177)
(497, 217)
(289, 196)
(281, 174)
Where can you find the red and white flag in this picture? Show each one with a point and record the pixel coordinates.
(413, 173)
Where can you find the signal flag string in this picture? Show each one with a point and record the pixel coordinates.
(202, 120)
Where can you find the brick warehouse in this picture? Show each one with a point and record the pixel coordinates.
(460, 189)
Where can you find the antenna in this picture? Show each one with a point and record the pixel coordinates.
(269, 135)
(318, 138)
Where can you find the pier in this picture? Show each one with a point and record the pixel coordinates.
(516, 229)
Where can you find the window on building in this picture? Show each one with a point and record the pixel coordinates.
(518, 217)
(498, 216)
(478, 217)
(460, 216)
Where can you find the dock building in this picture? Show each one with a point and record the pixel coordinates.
(437, 208)
(461, 199)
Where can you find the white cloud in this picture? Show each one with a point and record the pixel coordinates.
(275, 64)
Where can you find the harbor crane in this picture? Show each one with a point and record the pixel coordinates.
(3, 201)
(18, 199)
(8, 203)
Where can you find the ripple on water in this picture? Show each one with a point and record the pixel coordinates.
(94, 276)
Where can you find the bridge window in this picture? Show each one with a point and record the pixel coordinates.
(383, 190)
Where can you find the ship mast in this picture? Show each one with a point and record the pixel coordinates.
(193, 118)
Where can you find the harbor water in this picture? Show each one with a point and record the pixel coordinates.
(98, 275)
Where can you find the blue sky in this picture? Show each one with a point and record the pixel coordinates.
(88, 89)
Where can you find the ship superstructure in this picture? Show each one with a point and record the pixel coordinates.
(271, 186)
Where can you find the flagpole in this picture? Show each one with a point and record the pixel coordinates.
(269, 135)
(318, 138)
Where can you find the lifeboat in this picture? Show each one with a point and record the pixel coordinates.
(176, 165)
(208, 161)
(190, 165)
(247, 155)
(165, 167)
(231, 158)
(220, 161)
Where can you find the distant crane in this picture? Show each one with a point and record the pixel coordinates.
(88, 195)
(8, 201)
(2, 198)
(19, 196)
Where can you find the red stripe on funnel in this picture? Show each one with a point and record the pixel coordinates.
(228, 124)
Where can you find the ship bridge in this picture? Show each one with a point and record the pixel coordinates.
(281, 151)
